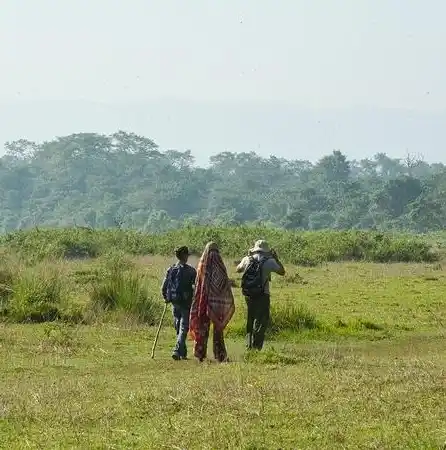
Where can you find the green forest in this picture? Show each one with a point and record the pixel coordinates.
(124, 180)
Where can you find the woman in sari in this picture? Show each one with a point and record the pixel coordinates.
(213, 302)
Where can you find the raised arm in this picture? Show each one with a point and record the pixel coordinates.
(242, 266)
(278, 266)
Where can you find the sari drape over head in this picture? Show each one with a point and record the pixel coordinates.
(213, 294)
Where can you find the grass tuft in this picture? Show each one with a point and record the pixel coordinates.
(37, 296)
(6, 290)
(270, 356)
(126, 292)
(292, 318)
(59, 337)
(368, 325)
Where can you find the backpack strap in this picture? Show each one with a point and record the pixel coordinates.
(261, 262)
(166, 281)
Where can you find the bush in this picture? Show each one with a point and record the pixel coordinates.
(115, 262)
(72, 249)
(6, 282)
(304, 248)
(291, 318)
(5, 291)
(38, 296)
(126, 292)
(403, 250)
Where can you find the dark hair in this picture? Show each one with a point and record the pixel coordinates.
(181, 251)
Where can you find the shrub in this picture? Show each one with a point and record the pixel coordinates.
(115, 262)
(304, 248)
(291, 318)
(72, 249)
(38, 296)
(126, 292)
(6, 282)
(403, 250)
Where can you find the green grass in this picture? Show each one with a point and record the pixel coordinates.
(98, 388)
(303, 248)
(355, 358)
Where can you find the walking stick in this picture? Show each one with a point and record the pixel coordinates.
(158, 332)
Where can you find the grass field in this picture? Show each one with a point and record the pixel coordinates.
(356, 359)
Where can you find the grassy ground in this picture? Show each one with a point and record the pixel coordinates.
(365, 367)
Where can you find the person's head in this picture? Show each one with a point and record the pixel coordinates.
(211, 247)
(182, 254)
(260, 246)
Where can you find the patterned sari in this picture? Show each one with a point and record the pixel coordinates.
(213, 302)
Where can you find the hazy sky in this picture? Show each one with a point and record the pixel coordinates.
(315, 54)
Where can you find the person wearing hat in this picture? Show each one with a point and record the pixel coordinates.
(178, 289)
(265, 261)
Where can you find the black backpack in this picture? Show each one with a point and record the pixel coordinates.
(252, 283)
(173, 291)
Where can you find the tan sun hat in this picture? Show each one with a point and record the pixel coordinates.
(260, 246)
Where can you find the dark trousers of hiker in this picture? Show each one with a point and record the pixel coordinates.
(181, 324)
(257, 321)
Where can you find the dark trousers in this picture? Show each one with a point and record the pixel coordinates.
(257, 321)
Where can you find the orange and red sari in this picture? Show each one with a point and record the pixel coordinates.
(213, 302)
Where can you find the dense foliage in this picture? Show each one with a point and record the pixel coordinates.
(303, 248)
(124, 180)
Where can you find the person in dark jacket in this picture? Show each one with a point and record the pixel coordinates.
(178, 289)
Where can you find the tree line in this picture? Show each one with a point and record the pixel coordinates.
(124, 180)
